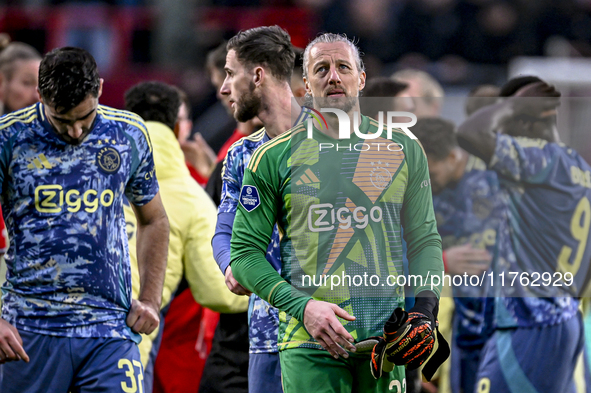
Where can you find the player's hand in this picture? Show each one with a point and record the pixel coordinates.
(200, 155)
(11, 344)
(536, 99)
(466, 259)
(538, 89)
(143, 317)
(320, 320)
(233, 285)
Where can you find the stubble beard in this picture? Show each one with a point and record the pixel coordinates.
(248, 105)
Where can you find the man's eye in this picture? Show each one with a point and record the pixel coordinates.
(344, 66)
(321, 69)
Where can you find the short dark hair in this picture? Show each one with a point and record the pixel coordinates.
(380, 87)
(269, 46)
(216, 59)
(437, 135)
(154, 101)
(513, 85)
(67, 76)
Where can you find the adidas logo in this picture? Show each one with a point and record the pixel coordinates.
(40, 162)
(308, 178)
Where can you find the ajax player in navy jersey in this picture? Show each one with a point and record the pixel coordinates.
(68, 321)
(546, 235)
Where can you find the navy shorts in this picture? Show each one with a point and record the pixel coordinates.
(64, 364)
(531, 360)
(464, 366)
(264, 373)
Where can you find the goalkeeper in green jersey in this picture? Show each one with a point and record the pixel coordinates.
(339, 204)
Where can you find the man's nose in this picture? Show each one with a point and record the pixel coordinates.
(334, 76)
(225, 89)
(75, 131)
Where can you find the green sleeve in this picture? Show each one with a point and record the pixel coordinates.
(251, 235)
(418, 220)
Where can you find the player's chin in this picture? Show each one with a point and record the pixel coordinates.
(342, 102)
(73, 141)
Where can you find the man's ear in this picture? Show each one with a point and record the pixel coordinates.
(307, 86)
(455, 155)
(362, 77)
(39, 95)
(259, 76)
(101, 80)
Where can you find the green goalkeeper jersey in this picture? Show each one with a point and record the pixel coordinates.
(340, 206)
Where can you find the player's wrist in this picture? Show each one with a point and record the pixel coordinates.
(152, 303)
(427, 303)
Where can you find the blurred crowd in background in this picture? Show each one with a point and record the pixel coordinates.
(462, 43)
(453, 47)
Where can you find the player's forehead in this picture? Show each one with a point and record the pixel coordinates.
(331, 52)
(89, 104)
(232, 62)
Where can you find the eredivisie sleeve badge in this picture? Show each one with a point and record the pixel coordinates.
(249, 198)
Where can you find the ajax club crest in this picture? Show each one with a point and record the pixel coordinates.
(380, 175)
(108, 159)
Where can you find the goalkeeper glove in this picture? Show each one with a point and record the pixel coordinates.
(409, 339)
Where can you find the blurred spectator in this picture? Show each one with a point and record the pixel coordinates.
(19, 73)
(192, 218)
(216, 124)
(214, 184)
(19, 69)
(481, 96)
(426, 92)
(382, 87)
(199, 157)
(227, 364)
(185, 124)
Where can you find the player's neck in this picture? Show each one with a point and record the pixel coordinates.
(280, 110)
(333, 122)
(246, 128)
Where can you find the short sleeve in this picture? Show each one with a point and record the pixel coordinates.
(231, 181)
(142, 186)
